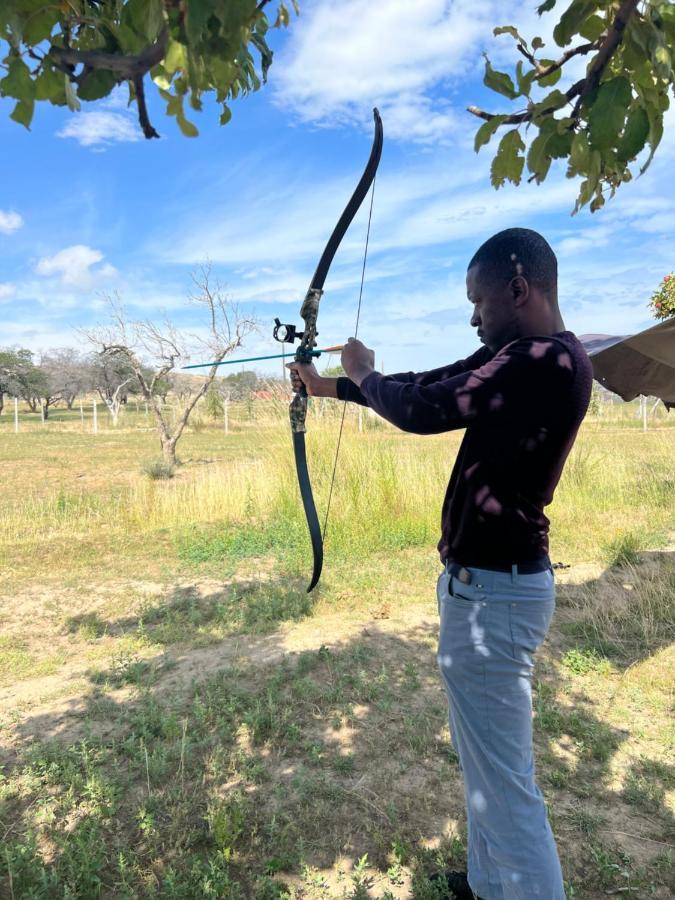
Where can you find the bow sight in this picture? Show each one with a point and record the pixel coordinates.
(286, 334)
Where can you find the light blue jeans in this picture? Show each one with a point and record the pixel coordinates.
(489, 632)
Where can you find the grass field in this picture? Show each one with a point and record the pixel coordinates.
(179, 719)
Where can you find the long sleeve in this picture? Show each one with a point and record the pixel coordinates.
(347, 390)
(494, 391)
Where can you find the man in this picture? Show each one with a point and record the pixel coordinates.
(521, 399)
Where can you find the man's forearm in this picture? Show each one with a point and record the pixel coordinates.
(324, 387)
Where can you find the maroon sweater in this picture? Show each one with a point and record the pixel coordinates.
(522, 408)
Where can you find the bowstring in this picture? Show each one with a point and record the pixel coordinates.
(356, 332)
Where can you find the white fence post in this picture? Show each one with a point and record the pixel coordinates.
(16, 415)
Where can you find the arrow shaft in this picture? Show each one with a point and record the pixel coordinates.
(232, 362)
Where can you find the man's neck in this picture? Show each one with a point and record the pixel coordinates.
(548, 321)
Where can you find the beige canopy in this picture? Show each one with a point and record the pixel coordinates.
(642, 363)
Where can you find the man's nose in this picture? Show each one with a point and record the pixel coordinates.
(475, 320)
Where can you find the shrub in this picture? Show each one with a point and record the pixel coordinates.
(662, 303)
(158, 469)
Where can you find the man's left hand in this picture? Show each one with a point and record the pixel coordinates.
(357, 360)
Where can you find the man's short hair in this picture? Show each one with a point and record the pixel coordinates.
(517, 251)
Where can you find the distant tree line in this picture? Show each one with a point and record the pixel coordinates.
(61, 376)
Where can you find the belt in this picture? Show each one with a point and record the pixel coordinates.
(527, 568)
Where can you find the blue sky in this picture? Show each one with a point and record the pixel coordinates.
(88, 207)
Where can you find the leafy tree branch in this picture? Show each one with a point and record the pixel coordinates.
(80, 50)
(617, 107)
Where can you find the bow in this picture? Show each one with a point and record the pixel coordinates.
(304, 353)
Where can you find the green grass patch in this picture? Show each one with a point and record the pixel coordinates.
(623, 549)
(583, 660)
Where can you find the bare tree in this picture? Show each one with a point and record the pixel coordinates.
(153, 352)
(112, 377)
(68, 373)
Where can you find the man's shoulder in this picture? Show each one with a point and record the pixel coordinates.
(561, 352)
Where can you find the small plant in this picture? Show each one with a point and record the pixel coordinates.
(662, 303)
(213, 401)
(623, 550)
(582, 660)
(227, 823)
(158, 470)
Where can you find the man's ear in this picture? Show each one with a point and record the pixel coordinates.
(520, 290)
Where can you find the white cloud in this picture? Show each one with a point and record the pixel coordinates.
(10, 221)
(73, 266)
(97, 129)
(7, 291)
(343, 59)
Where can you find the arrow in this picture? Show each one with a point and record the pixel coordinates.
(231, 362)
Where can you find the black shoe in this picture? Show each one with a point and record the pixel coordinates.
(456, 885)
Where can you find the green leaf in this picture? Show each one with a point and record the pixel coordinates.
(174, 103)
(160, 77)
(538, 158)
(667, 12)
(537, 43)
(608, 112)
(283, 17)
(145, 17)
(226, 115)
(593, 28)
(553, 78)
(585, 194)
(18, 82)
(96, 84)
(509, 29)
(571, 20)
(265, 53)
(199, 13)
(597, 203)
(560, 144)
(552, 101)
(594, 168)
(580, 153)
(499, 81)
(71, 98)
(188, 129)
(634, 134)
(663, 64)
(508, 163)
(524, 80)
(176, 57)
(39, 26)
(486, 130)
(23, 112)
(655, 134)
(49, 86)
(545, 7)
